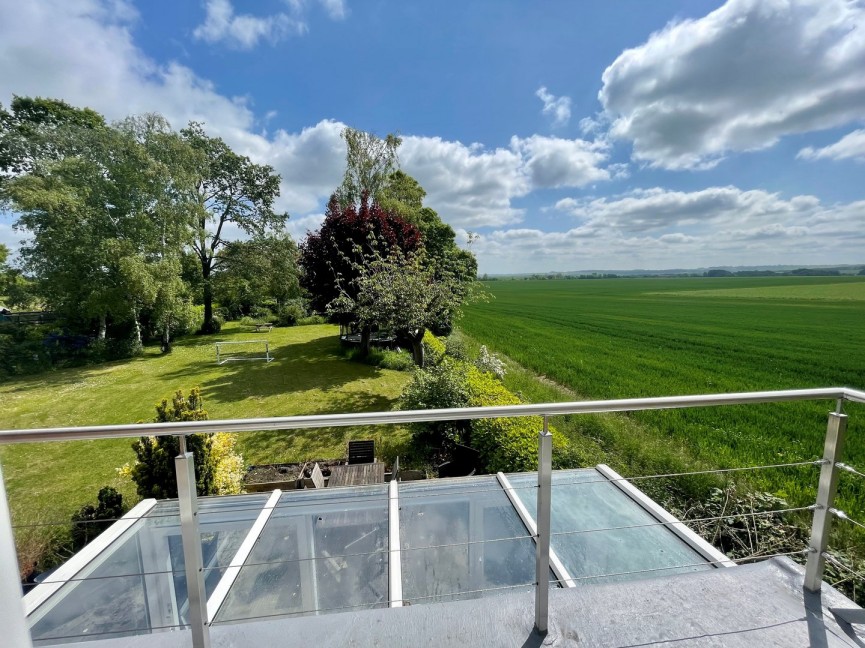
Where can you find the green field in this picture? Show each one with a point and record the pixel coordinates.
(622, 338)
(307, 376)
(808, 291)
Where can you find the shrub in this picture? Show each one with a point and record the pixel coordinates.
(291, 313)
(490, 363)
(216, 323)
(455, 347)
(437, 387)
(434, 349)
(312, 320)
(504, 444)
(217, 466)
(89, 521)
(262, 314)
(229, 470)
(396, 360)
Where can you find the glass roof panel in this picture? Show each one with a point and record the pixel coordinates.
(582, 501)
(138, 584)
(464, 515)
(320, 551)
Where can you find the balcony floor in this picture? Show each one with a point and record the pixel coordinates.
(751, 605)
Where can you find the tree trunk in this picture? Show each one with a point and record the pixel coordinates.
(207, 326)
(103, 326)
(166, 336)
(417, 352)
(365, 334)
(136, 327)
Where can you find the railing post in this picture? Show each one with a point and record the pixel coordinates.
(542, 547)
(13, 620)
(822, 522)
(192, 557)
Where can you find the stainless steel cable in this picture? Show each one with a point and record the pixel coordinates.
(843, 516)
(124, 631)
(699, 564)
(382, 498)
(848, 468)
(381, 552)
(673, 522)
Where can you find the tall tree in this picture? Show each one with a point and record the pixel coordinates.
(77, 210)
(224, 188)
(258, 272)
(36, 130)
(404, 195)
(348, 238)
(96, 201)
(369, 163)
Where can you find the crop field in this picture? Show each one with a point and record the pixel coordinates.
(622, 338)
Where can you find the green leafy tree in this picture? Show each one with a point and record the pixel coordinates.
(258, 272)
(98, 206)
(35, 131)
(5, 271)
(404, 195)
(222, 188)
(398, 292)
(370, 161)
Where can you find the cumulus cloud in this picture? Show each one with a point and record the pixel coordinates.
(558, 109)
(738, 79)
(658, 228)
(472, 186)
(467, 184)
(244, 31)
(851, 146)
(555, 162)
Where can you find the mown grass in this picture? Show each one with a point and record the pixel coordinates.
(624, 338)
(307, 376)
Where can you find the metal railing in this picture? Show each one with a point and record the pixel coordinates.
(13, 618)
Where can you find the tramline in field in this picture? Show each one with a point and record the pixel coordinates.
(246, 350)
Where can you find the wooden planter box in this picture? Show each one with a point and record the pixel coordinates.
(266, 487)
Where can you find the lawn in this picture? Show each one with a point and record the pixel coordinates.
(48, 481)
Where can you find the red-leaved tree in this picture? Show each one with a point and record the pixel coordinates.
(349, 236)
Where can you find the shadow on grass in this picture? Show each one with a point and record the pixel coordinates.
(296, 367)
(62, 376)
(273, 446)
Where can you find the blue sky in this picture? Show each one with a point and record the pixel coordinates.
(568, 135)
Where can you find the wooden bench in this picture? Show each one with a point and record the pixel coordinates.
(267, 326)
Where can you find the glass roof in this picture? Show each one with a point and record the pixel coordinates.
(328, 550)
(461, 538)
(584, 509)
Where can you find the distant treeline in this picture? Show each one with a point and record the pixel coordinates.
(718, 272)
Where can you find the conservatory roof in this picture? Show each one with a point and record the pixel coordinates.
(313, 552)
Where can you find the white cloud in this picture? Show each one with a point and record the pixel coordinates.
(471, 186)
(557, 108)
(468, 185)
(738, 80)
(244, 31)
(657, 228)
(299, 227)
(336, 9)
(851, 146)
(555, 162)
